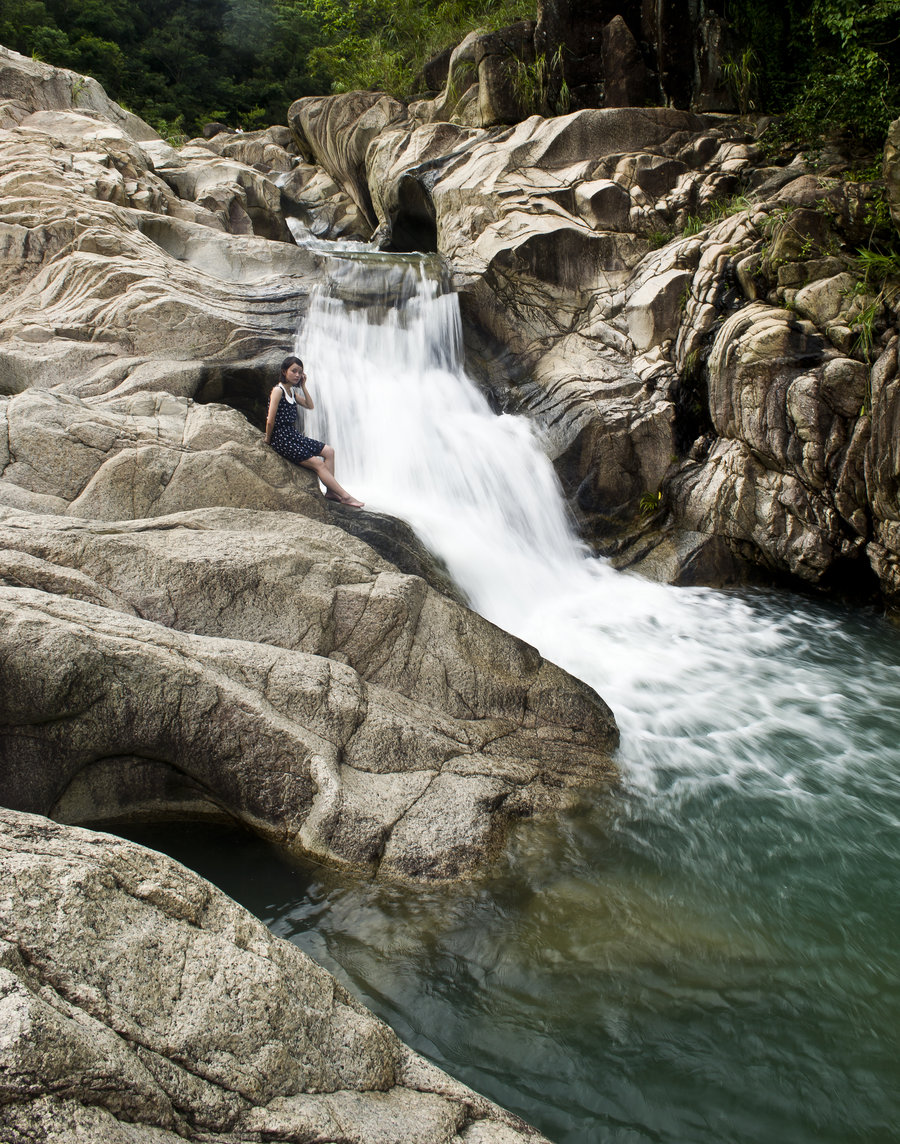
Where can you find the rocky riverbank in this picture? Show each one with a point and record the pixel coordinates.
(190, 629)
(191, 632)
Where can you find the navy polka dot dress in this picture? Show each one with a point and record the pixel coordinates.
(285, 438)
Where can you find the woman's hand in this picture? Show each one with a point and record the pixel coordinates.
(305, 400)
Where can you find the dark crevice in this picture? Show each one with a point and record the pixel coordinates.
(115, 790)
(413, 223)
(243, 386)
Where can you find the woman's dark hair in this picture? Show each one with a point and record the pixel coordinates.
(288, 362)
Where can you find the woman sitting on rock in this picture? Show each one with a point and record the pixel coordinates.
(282, 433)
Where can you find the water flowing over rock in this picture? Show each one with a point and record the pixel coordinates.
(141, 1004)
(691, 330)
(191, 632)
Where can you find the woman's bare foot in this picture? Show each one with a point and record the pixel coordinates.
(351, 502)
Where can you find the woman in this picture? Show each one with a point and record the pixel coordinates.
(283, 436)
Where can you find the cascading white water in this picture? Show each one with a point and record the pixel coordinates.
(709, 953)
(415, 438)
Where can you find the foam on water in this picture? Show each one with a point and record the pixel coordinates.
(703, 684)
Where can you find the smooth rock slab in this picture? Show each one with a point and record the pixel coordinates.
(428, 695)
(105, 714)
(139, 1005)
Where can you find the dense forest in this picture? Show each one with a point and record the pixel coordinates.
(822, 65)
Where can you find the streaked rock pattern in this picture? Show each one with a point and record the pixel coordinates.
(139, 1005)
(712, 355)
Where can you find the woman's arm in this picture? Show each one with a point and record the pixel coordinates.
(304, 398)
(270, 416)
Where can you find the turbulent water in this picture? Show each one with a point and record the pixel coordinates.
(711, 955)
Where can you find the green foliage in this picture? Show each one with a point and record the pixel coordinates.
(865, 326)
(867, 173)
(826, 65)
(533, 84)
(660, 238)
(725, 208)
(742, 76)
(692, 364)
(244, 61)
(650, 503)
(173, 132)
(822, 65)
(714, 211)
(383, 44)
(878, 266)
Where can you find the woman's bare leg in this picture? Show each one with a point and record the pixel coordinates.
(328, 458)
(318, 466)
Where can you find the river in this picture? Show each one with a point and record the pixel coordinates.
(708, 955)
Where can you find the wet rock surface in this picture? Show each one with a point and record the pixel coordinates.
(696, 334)
(191, 632)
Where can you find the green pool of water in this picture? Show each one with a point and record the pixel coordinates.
(710, 955)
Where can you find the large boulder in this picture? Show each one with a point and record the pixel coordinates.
(882, 471)
(662, 52)
(245, 200)
(142, 1006)
(90, 269)
(627, 81)
(28, 85)
(484, 731)
(683, 349)
(336, 131)
(271, 149)
(111, 717)
(550, 227)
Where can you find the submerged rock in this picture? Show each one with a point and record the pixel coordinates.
(139, 1004)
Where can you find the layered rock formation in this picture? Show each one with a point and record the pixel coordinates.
(138, 1005)
(190, 631)
(275, 672)
(189, 628)
(696, 333)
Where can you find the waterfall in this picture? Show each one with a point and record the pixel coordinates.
(708, 952)
(699, 680)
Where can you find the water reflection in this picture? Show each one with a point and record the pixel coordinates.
(651, 967)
